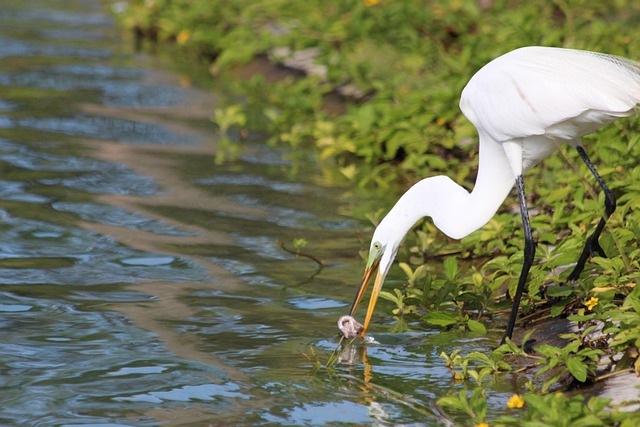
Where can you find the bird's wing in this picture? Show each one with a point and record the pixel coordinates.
(560, 93)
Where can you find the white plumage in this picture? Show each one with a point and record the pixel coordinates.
(524, 104)
(558, 93)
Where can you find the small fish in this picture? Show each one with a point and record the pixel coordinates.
(349, 327)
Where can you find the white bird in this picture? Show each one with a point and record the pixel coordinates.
(524, 105)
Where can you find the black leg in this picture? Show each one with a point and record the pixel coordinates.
(592, 247)
(529, 254)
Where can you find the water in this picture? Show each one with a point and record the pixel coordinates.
(144, 285)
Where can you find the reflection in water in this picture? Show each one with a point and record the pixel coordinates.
(141, 283)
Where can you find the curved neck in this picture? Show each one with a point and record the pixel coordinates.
(454, 210)
(494, 182)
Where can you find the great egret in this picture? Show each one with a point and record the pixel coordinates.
(524, 105)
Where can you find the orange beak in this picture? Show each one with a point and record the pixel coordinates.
(371, 268)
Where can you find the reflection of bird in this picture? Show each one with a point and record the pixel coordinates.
(524, 104)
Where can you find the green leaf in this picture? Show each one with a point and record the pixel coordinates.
(450, 268)
(632, 301)
(577, 368)
(477, 327)
(390, 297)
(407, 269)
(597, 404)
(558, 194)
(366, 117)
(478, 357)
(551, 381)
(626, 335)
(559, 291)
(452, 402)
(572, 347)
(558, 308)
(547, 350)
(587, 421)
(440, 318)
(503, 366)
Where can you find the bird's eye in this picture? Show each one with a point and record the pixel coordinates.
(377, 246)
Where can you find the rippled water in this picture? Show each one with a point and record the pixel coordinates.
(144, 285)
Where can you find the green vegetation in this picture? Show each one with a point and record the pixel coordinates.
(406, 63)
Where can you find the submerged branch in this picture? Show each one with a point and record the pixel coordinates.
(298, 253)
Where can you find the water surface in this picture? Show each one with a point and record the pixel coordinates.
(144, 285)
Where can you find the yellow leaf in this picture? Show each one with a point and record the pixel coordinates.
(406, 268)
(349, 171)
(602, 288)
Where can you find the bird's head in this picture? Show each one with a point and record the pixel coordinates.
(384, 246)
(425, 198)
